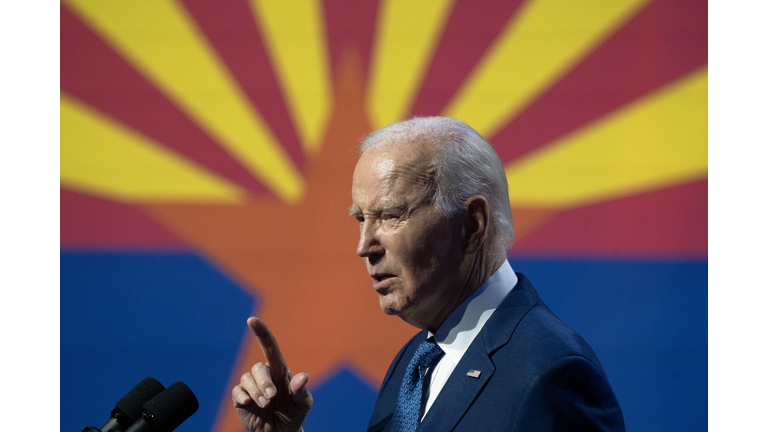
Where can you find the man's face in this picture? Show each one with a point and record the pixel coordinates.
(413, 254)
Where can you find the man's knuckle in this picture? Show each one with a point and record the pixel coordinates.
(260, 369)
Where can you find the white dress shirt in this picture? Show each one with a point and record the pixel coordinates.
(460, 328)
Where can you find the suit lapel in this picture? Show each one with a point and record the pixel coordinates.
(499, 328)
(461, 390)
(387, 398)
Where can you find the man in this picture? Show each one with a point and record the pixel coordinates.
(430, 197)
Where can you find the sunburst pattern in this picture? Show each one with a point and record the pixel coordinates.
(539, 44)
(230, 129)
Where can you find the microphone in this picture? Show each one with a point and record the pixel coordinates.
(128, 408)
(166, 411)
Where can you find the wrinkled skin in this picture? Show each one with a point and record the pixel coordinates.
(422, 264)
(269, 398)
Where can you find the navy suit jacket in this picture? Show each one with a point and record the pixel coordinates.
(536, 374)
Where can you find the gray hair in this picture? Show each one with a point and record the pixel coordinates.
(465, 165)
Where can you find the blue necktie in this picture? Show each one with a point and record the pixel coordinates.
(408, 408)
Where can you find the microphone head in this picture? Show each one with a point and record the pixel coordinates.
(130, 405)
(170, 408)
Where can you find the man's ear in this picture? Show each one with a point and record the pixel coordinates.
(476, 221)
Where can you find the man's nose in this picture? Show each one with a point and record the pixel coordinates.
(368, 244)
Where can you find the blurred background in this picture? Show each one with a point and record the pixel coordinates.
(207, 150)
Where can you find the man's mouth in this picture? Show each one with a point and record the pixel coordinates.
(380, 281)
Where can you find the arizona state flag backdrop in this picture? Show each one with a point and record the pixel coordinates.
(207, 150)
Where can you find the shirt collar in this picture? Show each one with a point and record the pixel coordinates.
(460, 328)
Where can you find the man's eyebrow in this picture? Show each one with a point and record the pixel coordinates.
(394, 208)
(354, 211)
(391, 208)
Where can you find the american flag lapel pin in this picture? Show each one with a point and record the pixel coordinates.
(473, 373)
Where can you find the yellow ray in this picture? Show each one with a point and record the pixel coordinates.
(294, 33)
(102, 157)
(539, 45)
(406, 36)
(658, 141)
(160, 39)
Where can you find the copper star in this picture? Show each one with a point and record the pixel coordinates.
(300, 261)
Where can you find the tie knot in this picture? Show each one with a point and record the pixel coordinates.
(426, 354)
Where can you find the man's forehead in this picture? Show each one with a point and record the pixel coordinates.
(398, 163)
(386, 178)
(387, 191)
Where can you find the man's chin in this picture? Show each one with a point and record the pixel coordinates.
(395, 310)
(388, 306)
(389, 309)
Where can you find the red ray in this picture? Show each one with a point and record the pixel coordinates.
(665, 223)
(350, 24)
(231, 28)
(471, 29)
(665, 41)
(95, 223)
(92, 72)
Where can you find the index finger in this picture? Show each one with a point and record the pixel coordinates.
(269, 347)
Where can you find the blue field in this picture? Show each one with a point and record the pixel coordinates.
(126, 316)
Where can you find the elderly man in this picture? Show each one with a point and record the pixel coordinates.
(430, 197)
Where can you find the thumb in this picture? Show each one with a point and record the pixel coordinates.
(299, 392)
